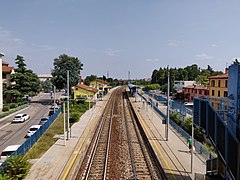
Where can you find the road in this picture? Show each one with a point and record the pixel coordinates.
(14, 133)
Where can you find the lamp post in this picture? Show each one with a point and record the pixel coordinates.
(192, 155)
(54, 100)
(68, 124)
(1, 86)
(168, 90)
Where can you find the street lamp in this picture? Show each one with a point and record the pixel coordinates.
(168, 90)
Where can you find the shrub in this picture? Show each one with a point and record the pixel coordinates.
(13, 105)
(16, 167)
(5, 108)
(74, 117)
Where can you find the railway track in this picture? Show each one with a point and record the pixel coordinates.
(119, 149)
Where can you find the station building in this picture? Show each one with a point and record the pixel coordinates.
(84, 92)
(101, 86)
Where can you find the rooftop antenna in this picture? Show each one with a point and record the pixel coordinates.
(128, 75)
(107, 74)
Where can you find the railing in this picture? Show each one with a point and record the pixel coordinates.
(173, 104)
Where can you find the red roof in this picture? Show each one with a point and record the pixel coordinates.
(7, 69)
(87, 88)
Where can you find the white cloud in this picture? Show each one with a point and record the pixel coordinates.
(203, 56)
(152, 60)
(112, 52)
(7, 39)
(213, 45)
(172, 43)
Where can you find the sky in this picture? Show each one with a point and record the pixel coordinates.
(117, 36)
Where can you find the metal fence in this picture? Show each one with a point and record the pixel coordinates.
(33, 138)
(181, 108)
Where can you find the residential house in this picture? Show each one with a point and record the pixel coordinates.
(6, 74)
(218, 89)
(101, 86)
(84, 92)
(191, 91)
(44, 77)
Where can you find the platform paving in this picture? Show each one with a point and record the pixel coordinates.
(173, 154)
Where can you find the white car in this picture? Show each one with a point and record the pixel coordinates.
(21, 117)
(8, 152)
(32, 130)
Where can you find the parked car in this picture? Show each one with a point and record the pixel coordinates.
(43, 120)
(8, 151)
(50, 113)
(32, 130)
(21, 117)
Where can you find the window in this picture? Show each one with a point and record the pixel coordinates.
(219, 83)
(200, 91)
(212, 92)
(206, 93)
(226, 83)
(213, 83)
(196, 91)
(225, 94)
(219, 94)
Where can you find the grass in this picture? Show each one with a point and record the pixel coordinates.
(46, 140)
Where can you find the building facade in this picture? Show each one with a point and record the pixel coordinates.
(218, 85)
(84, 92)
(191, 91)
(101, 86)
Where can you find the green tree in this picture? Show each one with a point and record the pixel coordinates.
(46, 85)
(88, 79)
(59, 73)
(26, 82)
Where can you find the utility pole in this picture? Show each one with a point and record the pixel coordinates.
(192, 155)
(128, 76)
(168, 91)
(64, 124)
(68, 124)
(54, 100)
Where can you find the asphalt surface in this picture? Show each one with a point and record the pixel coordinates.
(14, 133)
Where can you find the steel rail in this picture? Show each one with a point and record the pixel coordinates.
(97, 139)
(129, 142)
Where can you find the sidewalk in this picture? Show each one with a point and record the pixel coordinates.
(57, 161)
(173, 154)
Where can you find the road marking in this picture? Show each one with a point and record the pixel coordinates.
(80, 147)
(5, 125)
(159, 151)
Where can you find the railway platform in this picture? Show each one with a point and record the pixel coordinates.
(174, 153)
(58, 161)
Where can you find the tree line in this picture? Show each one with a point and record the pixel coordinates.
(189, 73)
